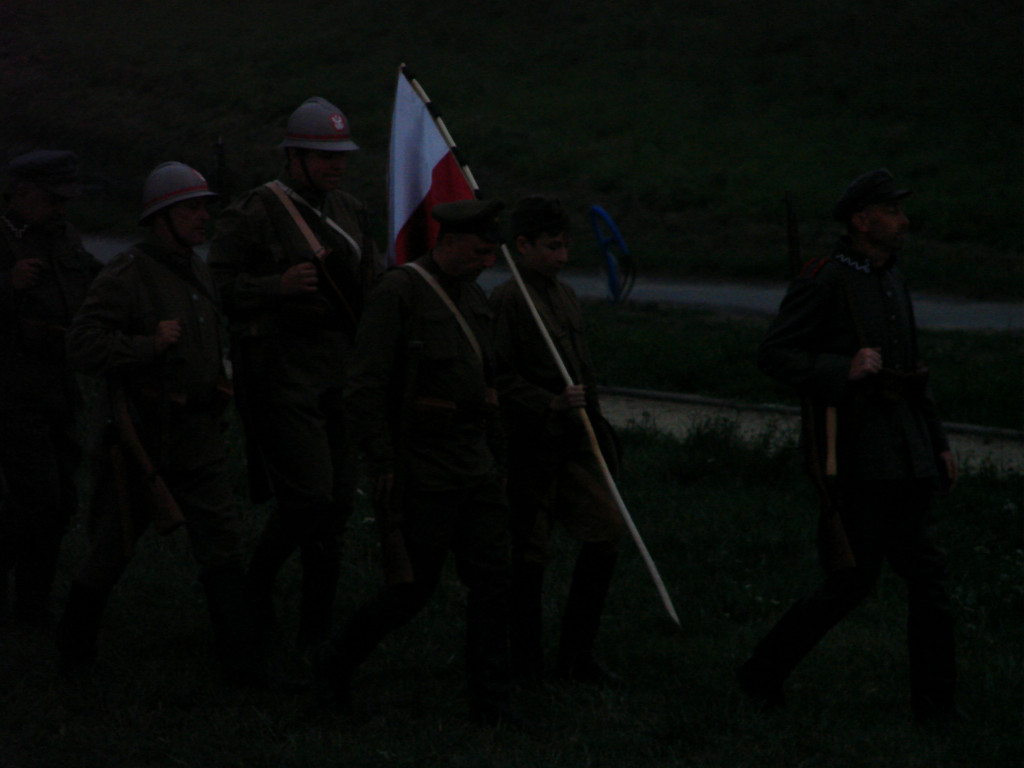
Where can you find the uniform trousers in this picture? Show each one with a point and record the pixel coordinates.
(885, 520)
(572, 492)
(39, 457)
(212, 524)
(299, 425)
(472, 524)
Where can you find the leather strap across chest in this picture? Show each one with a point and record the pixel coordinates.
(432, 282)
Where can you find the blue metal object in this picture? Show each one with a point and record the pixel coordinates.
(621, 266)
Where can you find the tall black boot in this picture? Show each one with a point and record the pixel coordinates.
(276, 544)
(34, 575)
(526, 622)
(591, 580)
(79, 627)
(235, 644)
(321, 568)
(336, 660)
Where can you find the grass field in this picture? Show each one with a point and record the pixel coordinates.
(687, 121)
(729, 524)
(975, 377)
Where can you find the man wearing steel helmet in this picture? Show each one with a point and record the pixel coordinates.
(293, 259)
(845, 339)
(150, 326)
(44, 273)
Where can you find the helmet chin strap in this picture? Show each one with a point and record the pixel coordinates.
(305, 169)
(318, 194)
(165, 214)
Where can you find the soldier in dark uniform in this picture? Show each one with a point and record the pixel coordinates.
(421, 398)
(554, 476)
(845, 338)
(292, 259)
(44, 274)
(151, 327)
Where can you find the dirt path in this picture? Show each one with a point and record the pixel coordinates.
(1004, 452)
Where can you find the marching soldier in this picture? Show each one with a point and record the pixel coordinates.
(845, 338)
(151, 327)
(44, 274)
(554, 476)
(421, 398)
(293, 258)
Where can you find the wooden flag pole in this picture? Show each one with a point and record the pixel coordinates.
(549, 342)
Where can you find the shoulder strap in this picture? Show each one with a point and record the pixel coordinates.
(432, 282)
(314, 243)
(286, 194)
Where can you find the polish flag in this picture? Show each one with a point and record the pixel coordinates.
(422, 172)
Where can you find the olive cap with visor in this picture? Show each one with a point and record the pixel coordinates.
(877, 186)
(53, 170)
(473, 217)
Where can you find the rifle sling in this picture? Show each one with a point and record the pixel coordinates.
(284, 194)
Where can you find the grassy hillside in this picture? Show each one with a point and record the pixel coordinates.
(687, 121)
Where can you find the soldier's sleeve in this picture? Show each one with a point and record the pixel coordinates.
(510, 319)
(793, 351)
(6, 284)
(374, 261)
(244, 254)
(91, 264)
(101, 337)
(588, 375)
(373, 370)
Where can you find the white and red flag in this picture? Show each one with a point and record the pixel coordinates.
(422, 172)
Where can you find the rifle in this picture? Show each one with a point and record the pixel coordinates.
(246, 383)
(165, 512)
(388, 506)
(818, 427)
(220, 176)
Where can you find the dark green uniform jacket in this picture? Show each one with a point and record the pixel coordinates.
(35, 371)
(257, 240)
(527, 375)
(449, 447)
(115, 331)
(835, 307)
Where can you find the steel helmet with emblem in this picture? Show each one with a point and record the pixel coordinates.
(318, 124)
(170, 183)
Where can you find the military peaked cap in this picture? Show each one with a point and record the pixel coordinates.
(474, 217)
(54, 170)
(873, 187)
